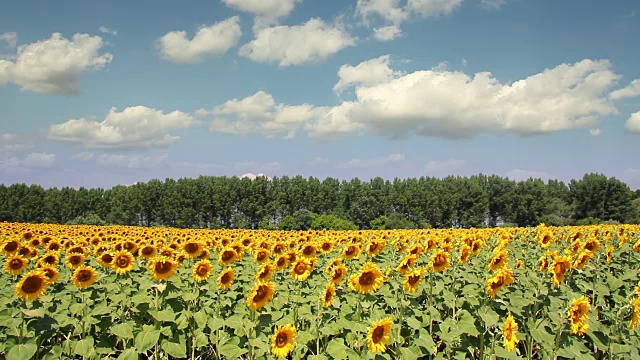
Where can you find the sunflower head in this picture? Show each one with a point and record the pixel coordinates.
(368, 280)
(15, 264)
(32, 285)
(283, 341)
(84, 276)
(260, 295)
(192, 249)
(147, 251)
(123, 262)
(225, 280)
(162, 268)
(51, 273)
(579, 315)
(328, 295)
(509, 330)
(202, 270)
(379, 335)
(227, 256)
(10, 247)
(440, 261)
(301, 269)
(74, 260)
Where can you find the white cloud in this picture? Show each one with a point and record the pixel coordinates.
(266, 12)
(83, 156)
(452, 104)
(595, 132)
(374, 162)
(39, 161)
(10, 38)
(11, 144)
(260, 114)
(133, 127)
(209, 41)
(493, 4)
(632, 90)
(387, 33)
(393, 13)
(131, 162)
(55, 65)
(312, 41)
(633, 123)
(367, 73)
(444, 167)
(319, 161)
(521, 175)
(106, 30)
(255, 166)
(252, 176)
(464, 62)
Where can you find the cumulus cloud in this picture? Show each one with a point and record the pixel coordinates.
(33, 161)
(11, 144)
(82, 156)
(131, 161)
(106, 30)
(373, 162)
(55, 65)
(387, 33)
(633, 123)
(595, 132)
(444, 167)
(208, 41)
(452, 104)
(493, 4)
(367, 73)
(521, 175)
(312, 41)
(9, 38)
(393, 13)
(266, 12)
(252, 176)
(319, 161)
(630, 91)
(133, 127)
(260, 114)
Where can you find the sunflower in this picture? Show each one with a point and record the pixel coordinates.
(227, 256)
(333, 263)
(328, 295)
(282, 262)
(15, 264)
(509, 330)
(283, 341)
(106, 260)
(412, 280)
(123, 262)
(225, 280)
(309, 251)
(192, 249)
(582, 259)
(609, 254)
(265, 272)
(592, 244)
(519, 264)
(326, 246)
(32, 285)
(368, 280)
(54, 245)
(635, 318)
(406, 264)
(559, 267)
(73, 261)
(162, 268)
(579, 314)
(351, 252)
(499, 260)
(338, 274)
(10, 247)
(301, 269)
(465, 254)
(378, 335)
(202, 270)
(50, 258)
(545, 239)
(51, 273)
(440, 261)
(501, 278)
(147, 251)
(84, 276)
(260, 295)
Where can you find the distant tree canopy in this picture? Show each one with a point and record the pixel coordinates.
(293, 203)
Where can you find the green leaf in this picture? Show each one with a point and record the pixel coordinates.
(129, 354)
(123, 331)
(145, 340)
(543, 338)
(414, 323)
(164, 315)
(100, 310)
(231, 350)
(425, 341)
(411, 353)
(489, 316)
(336, 348)
(33, 312)
(216, 323)
(467, 324)
(84, 347)
(175, 349)
(201, 319)
(22, 351)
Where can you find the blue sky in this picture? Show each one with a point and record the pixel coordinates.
(106, 93)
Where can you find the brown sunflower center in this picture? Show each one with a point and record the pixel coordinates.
(15, 264)
(225, 279)
(367, 278)
(202, 270)
(11, 246)
(373, 247)
(191, 248)
(32, 284)
(50, 259)
(378, 334)
(163, 267)
(261, 294)
(84, 275)
(227, 255)
(326, 246)
(54, 246)
(440, 260)
(328, 295)
(281, 339)
(546, 239)
(75, 260)
(261, 256)
(350, 251)
(107, 258)
(300, 268)
(309, 250)
(413, 279)
(147, 250)
(281, 262)
(337, 274)
(49, 273)
(122, 261)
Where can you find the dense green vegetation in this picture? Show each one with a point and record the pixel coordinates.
(300, 203)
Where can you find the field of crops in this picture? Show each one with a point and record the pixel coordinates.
(157, 293)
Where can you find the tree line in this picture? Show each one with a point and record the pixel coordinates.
(302, 203)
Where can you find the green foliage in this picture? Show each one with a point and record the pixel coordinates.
(331, 222)
(393, 221)
(89, 219)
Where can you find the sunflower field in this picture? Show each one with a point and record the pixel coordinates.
(84, 292)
